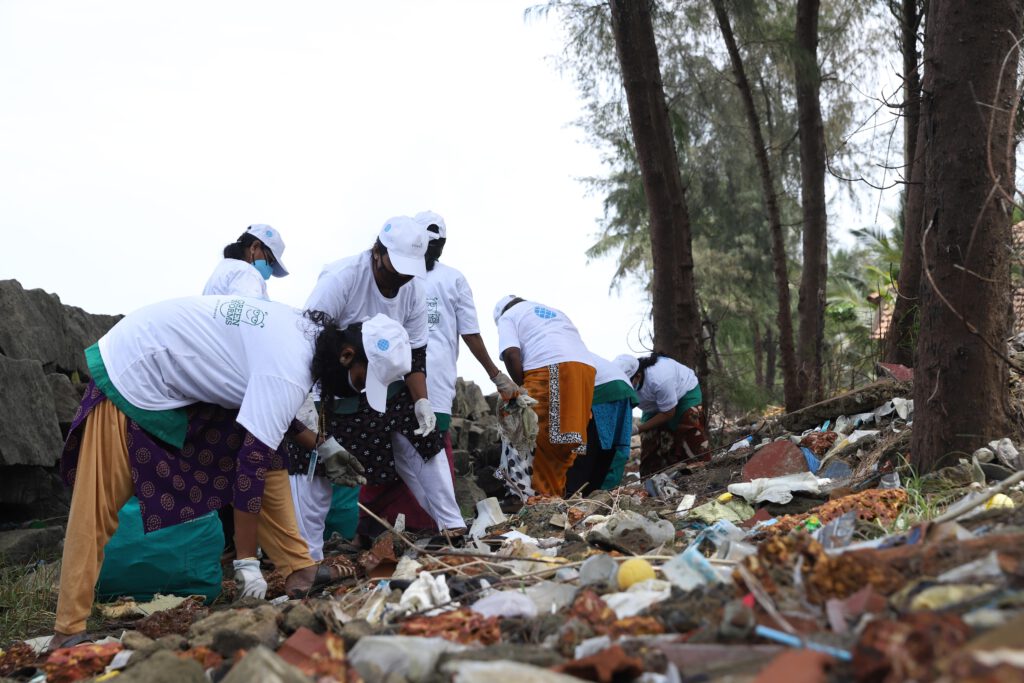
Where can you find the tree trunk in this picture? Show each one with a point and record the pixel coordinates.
(790, 386)
(677, 329)
(960, 383)
(899, 339)
(769, 359)
(811, 307)
(758, 344)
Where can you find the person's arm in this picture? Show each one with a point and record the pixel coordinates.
(416, 380)
(475, 343)
(656, 421)
(513, 358)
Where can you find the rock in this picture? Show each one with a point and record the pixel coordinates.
(262, 665)
(29, 432)
(777, 459)
(412, 657)
(163, 666)
(31, 492)
(65, 400)
(236, 629)
(19, 546)
(458, 431)
(133, 640)
(492, 403)
(354, 630)
(631, 532)
(463, 462)
(173, 642)
(469, 400)
(300, 616)
(525, 654)
(468, 494)
(82, 330)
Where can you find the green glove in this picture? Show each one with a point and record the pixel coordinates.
(343, 468)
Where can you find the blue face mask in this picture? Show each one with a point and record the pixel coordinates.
(265, 269)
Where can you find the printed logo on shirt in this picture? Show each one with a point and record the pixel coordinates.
(383, 344)
(237, 311)
(545, 313)
(433, 315)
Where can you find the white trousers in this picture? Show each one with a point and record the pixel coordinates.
(430, 482)
(312, 500)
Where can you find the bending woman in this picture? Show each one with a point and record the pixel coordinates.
(672, 423)
(188, 402)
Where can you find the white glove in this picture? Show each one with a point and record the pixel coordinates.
(506, 387)
(425, 416)
(249, 579)
(343, 468)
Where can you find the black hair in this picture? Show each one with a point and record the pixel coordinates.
(510, 304)
(328, 345)
(237, 249)
(646, 362)
(434, 247)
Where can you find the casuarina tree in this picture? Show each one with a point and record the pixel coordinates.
(970, 81)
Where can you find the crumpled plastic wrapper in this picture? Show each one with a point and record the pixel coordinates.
(518, 424)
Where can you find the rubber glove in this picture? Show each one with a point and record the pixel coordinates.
(249, 579)
(506, 387)
(425, 416)
(343, 468)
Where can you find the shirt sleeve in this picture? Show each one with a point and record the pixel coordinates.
(269, 406)
(249, 283)
(329, 295)
(415, 322)
(508, 335)
(465, 308)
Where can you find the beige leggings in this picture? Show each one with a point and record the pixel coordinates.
(103, 484)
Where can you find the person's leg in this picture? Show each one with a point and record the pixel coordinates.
(581, 472)
(430, 482)
(103, 484)
(277, 530)
(312, 501)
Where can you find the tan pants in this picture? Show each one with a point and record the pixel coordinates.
(103, 484)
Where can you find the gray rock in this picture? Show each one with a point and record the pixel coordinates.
(235, 629)
(463, 462)
(469, 400)
(66, 399)
(163, 667)
(32, 492)
(525, 654)
(458, 431)
(29, 432)
(18, 546)
(374, 657)
(468, 494)
(263, 666)
(301, 615)
(82, 330)
(354, 630)
(133, 640)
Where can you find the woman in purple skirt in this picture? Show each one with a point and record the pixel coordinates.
(188, 403)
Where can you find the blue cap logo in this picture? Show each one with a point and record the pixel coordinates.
(387, 228)
(270, 233)
(544, 313)
(383, 344)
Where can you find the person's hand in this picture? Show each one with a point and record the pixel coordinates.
(249, 579)
(344, 469)
(506, 387)
(425, 416)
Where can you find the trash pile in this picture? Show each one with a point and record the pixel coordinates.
(804, 550)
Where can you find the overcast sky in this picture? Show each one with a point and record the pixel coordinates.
(139, 137)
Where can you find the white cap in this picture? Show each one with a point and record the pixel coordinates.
(499, 307)
(390, 357)
(428, 218)
(406, 241)
(628, 364)
(272, 239)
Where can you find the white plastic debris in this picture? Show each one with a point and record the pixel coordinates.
(777, 489)
(427, 591)
(639, 597)
(690, 570)
(1006, 452)
(506, 604)
(488, 513)
(686, 503)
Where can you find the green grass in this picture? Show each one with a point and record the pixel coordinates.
(28, 601)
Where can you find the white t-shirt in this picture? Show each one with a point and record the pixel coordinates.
(451, 313)
(545, 336)
(233, 276)
(665, 383)
(347, 292)
(607, 371)
(235, 352)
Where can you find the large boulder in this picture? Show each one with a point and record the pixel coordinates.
(469, 400)
(29, 431)
(31, 492)
(65, 399)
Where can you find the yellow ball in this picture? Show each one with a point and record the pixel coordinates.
(999, 500)
(634, 571)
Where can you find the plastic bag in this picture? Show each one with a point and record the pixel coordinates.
(518, 423)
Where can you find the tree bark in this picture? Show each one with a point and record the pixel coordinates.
(769, 359)
(899, 339)
(758, 344)
(811, 132)
(780, 266)
(960, 382)
(677, 330)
